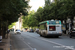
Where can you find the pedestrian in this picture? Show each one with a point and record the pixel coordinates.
(8, 32)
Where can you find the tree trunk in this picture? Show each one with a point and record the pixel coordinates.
(0, 29)
(4, 32)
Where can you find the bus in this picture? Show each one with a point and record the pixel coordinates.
(50, 28)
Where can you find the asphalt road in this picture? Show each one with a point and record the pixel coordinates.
(33, 41)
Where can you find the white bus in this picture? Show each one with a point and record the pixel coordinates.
(50, 27)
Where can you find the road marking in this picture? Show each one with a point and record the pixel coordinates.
(34, 49)
(28, 44)
(64, 46)
(54, 43)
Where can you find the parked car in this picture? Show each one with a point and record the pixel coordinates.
(17, 31)
(37, 30)
(72, 33)
(21, 30)
(28, 30)
(31, 30)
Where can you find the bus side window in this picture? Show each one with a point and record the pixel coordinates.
(45, 26)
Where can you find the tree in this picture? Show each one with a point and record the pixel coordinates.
(10, 11)
(47, 2)
(13, 24)
(39, 16)
(59, 9)
(30, 21)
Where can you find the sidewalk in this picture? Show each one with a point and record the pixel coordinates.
(5, 44)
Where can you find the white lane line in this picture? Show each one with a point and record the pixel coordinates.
(68, 47)
(28, 44)
(25, 42)
(64, 46)
(34, 49)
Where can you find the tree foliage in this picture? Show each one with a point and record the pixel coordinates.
(13, 24)
(29, 20)
(59, 9)
(10, 11)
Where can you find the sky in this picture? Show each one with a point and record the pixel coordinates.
(36, 4)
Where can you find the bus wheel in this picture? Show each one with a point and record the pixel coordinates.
(57, 36)
(40, 35)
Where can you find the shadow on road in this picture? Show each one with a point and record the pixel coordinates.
(51, 37)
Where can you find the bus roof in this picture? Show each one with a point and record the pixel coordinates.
(43, 22)
(47, 21)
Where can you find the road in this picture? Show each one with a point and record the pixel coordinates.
(33, 41)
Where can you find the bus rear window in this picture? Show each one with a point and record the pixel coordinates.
(52, 28)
